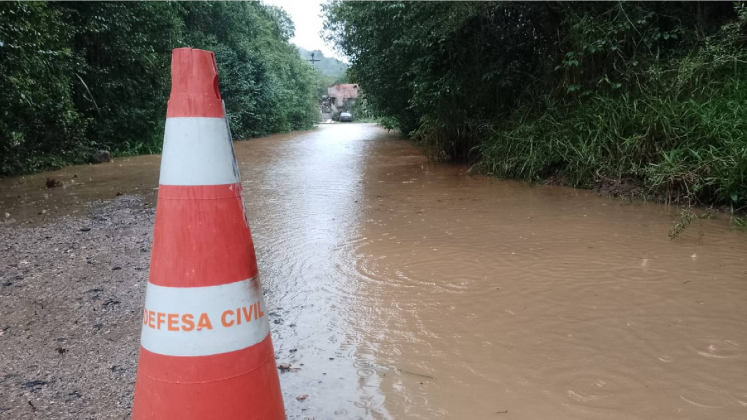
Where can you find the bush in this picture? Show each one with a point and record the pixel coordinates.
(676, 127)
(36, 96)
(585, 93)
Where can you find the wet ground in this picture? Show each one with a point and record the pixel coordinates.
(401, 289)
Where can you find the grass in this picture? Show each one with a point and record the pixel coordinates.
(740, 223)
(684, 150)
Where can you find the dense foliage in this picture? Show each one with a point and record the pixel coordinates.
(648, 95)
(81, 76)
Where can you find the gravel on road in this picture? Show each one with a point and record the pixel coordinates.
(71, 296)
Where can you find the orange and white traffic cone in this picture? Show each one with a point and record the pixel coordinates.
(205, 348)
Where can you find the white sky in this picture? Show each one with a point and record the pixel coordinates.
(305, 15)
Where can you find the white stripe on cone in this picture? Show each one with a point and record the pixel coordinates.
(198, 151)
(235, 313)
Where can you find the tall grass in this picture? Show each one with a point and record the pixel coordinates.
(688, 149)
(678, 130)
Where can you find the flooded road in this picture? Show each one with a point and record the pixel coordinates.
(405, 289)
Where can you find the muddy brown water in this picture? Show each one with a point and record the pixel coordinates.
(406, 289)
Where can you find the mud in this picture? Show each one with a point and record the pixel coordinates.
(395, 288)
(70, 299)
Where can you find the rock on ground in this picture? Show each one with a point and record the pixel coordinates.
(100, 156)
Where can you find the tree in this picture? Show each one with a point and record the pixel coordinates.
(36, 67)
(77, 77)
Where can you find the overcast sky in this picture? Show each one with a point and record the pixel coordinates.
(305, 15)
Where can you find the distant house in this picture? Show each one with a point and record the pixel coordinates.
(342, 93)
(339, 98)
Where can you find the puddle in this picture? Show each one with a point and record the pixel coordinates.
(405, 289)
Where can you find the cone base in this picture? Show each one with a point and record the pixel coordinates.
(253, 394)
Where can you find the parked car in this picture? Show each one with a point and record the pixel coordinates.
(346, 117)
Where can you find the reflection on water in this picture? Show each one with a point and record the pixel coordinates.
(404, 289)
(26, 199)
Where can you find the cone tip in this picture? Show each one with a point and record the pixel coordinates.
(194, 84)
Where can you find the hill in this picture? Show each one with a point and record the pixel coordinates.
(327, 66)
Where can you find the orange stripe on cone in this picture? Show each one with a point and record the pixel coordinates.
(236, 385)
(216, 248)
(194, 85)
(206, 351)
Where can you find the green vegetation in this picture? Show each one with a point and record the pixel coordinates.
(639, 98)
(686, 218)
(362, 113)
(83, 76)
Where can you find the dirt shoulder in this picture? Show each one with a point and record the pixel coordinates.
(71, 292)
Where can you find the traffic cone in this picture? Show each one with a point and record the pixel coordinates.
(205, 348)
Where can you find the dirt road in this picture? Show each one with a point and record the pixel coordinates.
(401, 289)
